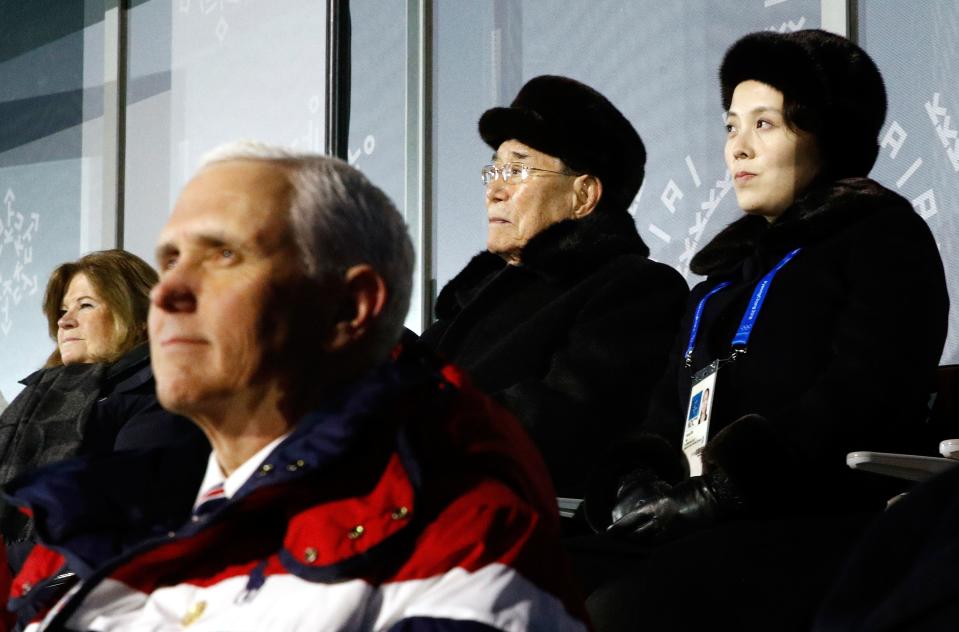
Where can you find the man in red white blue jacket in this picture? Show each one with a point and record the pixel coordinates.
(353, 484)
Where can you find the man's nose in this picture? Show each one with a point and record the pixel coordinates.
(175, 292)
(496, 190)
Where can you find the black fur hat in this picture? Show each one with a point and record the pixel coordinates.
(836, 89)
(571, 121)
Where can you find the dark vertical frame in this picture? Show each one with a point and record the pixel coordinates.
(419, 156)
(338, 77)
(121, 118)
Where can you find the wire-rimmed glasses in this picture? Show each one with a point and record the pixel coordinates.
(510, 170)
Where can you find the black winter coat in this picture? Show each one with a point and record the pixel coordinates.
(840, 359)
(77, 409)
(571, 341)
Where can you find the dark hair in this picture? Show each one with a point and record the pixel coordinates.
(799, 117)
(123, 282)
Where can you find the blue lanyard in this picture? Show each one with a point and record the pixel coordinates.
(694, 331)
(741, 339)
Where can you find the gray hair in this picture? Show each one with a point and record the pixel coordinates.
(340, 219)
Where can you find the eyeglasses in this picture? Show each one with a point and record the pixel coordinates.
(510, 170)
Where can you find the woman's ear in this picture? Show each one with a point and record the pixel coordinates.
(588, 190)
(363, 297)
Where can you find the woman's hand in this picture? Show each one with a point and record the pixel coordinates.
(667, 512)
(653, 510)
(635, 490)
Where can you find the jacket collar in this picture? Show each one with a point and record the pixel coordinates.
(86, 509)
(127, 366)
(575, 247)
(130, 362)
(817, 214)
(566, 250)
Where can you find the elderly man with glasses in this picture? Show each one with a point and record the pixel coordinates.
(563, 318)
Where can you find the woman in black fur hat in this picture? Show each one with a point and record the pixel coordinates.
(818, 328)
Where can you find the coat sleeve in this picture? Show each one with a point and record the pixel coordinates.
(43, 579)
(651, 444)
(597, 383)
(886, 343)
(667, 406)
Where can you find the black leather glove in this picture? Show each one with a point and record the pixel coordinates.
(628, 464)
(636, 489)
(674, 511)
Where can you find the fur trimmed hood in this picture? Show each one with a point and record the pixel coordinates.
(818, 213)
(565, 250)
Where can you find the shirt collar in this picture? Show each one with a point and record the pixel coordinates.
(214, 474)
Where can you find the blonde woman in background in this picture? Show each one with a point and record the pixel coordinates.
(96, 391)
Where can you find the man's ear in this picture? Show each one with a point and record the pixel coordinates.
(588, 190)
(362, 300)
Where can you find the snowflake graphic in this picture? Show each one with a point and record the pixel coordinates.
(210, 8)
(17, 232)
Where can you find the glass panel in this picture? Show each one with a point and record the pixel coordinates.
(204, 72)
(377, 136)
(51, 106)
(378, 94)
(916, 46)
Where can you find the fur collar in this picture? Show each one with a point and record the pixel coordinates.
(564, 250)
(818, 213)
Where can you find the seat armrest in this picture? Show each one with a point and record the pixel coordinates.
(568, 506)
(949, 448)
(909, 467)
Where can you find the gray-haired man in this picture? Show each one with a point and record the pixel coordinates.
(353, 484)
